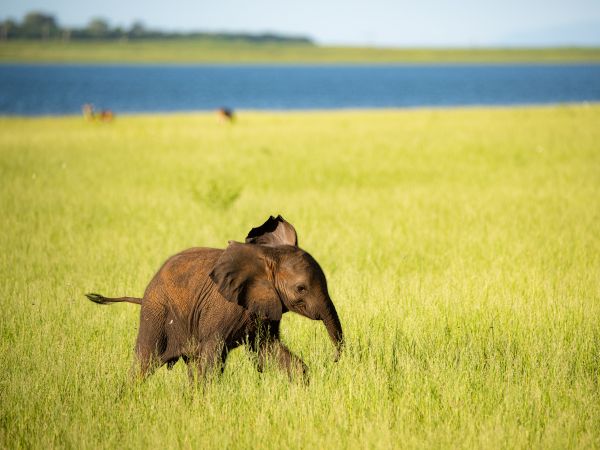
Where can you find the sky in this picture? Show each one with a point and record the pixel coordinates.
(401, 23)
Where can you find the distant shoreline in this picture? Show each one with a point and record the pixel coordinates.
(319, 112)
(197, 51)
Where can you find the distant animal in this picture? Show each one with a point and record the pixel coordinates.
(226, 114)
(106, 115)
(204, 302)
(89, 113)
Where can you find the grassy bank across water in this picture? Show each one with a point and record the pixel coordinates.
(462, 249)
(207, 51)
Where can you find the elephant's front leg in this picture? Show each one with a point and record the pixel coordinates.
(273, 349)
(209, 359)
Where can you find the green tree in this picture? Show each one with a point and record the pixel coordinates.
(7, 29)
(39, 25)
(137, 29)
(98, 28)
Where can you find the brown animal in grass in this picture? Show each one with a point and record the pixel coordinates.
(204, 302)
(226, 114)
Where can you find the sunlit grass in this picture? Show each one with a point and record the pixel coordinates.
(462, 249)
(211, 51)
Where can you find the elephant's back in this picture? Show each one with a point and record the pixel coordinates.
(184, 275)
(196, 254)
(190, 264)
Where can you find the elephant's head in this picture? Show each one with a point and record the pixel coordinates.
(276, 276)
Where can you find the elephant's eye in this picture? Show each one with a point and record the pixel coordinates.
(301, 289)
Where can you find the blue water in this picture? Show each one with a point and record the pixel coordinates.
(62, 89)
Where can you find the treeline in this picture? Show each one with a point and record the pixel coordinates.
(41, 26)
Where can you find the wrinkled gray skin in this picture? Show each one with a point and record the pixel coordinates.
(203, 302)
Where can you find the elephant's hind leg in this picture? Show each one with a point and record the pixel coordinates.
(145, 364)
(150, 345)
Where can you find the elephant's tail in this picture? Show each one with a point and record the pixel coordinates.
(97, 298)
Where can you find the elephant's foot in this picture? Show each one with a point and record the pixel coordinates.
(285, 359)
(208, 363)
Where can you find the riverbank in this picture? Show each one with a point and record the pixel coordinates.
(203, 52)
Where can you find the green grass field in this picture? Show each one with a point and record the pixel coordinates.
(210, 51)
(462, 249)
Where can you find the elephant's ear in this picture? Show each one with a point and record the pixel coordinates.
(275, 231)
(242, 276)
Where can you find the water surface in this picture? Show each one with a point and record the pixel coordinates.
(62, 89)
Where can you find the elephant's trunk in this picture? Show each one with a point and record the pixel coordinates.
(331, 321)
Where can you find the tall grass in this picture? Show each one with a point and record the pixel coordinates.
(462, 249)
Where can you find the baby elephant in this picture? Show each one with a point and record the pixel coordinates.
(203, 302)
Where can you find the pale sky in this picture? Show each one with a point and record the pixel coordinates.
(355, 22)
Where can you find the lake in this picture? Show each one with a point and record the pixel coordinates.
(62, 89)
